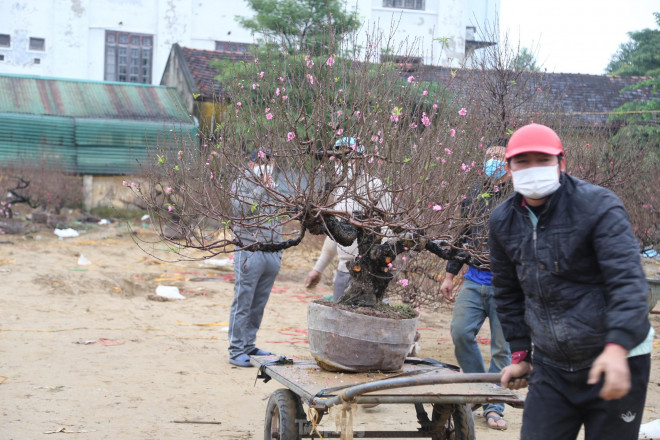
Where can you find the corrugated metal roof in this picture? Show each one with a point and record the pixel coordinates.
(87, 127)
(90, 99)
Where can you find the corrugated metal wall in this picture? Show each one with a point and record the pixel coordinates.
(35, 139)
(86, 146)
(121, 147)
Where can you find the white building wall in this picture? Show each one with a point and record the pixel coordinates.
(74, 30)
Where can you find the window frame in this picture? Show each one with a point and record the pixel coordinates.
(412, 5)
(128, 57)
(231, 47)
(8, 45)
(32, 42)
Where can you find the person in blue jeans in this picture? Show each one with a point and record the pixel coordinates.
(474, 302)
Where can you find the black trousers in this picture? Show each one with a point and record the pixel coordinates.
(559, 402)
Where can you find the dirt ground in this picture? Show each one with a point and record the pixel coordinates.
(86, 350)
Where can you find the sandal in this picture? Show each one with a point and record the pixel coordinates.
(492, 419)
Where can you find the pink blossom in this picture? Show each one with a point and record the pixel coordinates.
(238, 104)
(464, 167)
(269, 116)
(371, 160)
(290, 136)
(277, 92)
(425, 92)
(254, 86)
(538, 89)
(284, 98)
(310, 63)
(261, 154)
(267, 110)
(435, 106)
(447, 150)
(123, 183)
(437, 207)
(310, 78)
(452, 133)
(462, 111)
(168, 190)
(425, 120)
(281, 79)
(394, 118)
(169, 208)
(357, 113)
(261, 74)
(340, 131)
(339, 112)
(403, 282)
(411, 79)
(330, 61)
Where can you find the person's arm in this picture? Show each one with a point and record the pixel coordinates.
(617, 252)
(508, 294)
(328, 253)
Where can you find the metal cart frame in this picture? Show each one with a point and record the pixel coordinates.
(426, 381)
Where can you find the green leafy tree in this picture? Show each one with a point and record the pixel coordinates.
(301, 24)
(524, 60)
(640, 57)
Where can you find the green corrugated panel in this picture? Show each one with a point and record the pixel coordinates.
(120, 147)
(37, 139)
(90, 99)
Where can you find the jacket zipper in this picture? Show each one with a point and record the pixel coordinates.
(538, 284)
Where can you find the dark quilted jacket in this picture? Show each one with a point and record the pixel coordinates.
(573, 283)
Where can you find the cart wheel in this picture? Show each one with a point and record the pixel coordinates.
(283, 416)
(452, 422)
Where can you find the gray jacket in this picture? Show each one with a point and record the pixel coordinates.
(253, 205)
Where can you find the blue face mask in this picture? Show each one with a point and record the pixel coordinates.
(494, 168)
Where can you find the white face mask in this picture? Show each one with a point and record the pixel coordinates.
(536, 182)
(260, 170)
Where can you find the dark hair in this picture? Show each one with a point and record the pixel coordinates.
(255, 154)
(498, 142)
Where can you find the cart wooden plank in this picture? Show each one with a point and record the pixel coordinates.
(307, 380)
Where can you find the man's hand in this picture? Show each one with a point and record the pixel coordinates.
(511, 375)
(613, 363)
(313, 278)
(447, 287)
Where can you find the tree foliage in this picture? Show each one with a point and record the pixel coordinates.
(422, 139)
(640, 57)
(301, 25)
(524, 60)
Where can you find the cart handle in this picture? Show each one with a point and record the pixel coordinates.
(402, 382)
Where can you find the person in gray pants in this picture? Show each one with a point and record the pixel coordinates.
(255, 271)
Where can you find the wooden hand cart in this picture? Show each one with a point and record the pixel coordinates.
(422, 381)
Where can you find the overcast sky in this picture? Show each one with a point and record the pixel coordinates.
(575, 36)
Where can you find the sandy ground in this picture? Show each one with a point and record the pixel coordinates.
(86, 352)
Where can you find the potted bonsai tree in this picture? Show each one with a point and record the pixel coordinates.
(419, 142)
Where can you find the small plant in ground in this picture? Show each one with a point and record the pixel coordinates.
(42, 186)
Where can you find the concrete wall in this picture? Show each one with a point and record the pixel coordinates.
(74, 30)
(109, 191)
